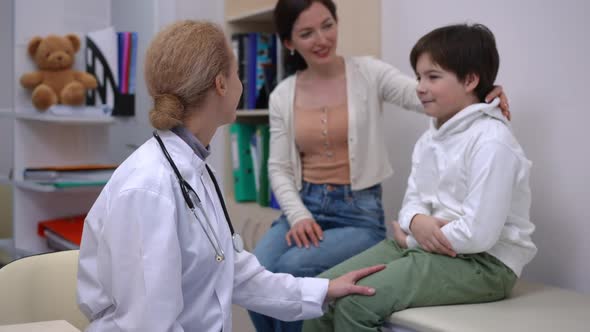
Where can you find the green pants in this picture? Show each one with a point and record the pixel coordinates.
(412, 278)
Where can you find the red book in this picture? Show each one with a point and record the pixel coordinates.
(69, 228)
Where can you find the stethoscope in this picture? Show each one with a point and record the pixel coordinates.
(192, 199)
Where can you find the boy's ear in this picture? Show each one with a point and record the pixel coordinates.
(471, 82)
(220, 85)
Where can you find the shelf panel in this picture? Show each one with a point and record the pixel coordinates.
(263, 14)
(5, 180)
(252, 205)
(32, 206)
(66, 119)
(6, 112)
(239, 11)
(8, 252)
(6, 243)
(252, 116)
(250, 113)
(34, 186)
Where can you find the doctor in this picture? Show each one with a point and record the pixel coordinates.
(158, 251)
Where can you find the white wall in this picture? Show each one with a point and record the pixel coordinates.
(149, 17)
(130, 132)
(544, 69)
(6, 121)
(211, 11)
(6, 54)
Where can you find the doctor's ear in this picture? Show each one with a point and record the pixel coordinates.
(220, 85)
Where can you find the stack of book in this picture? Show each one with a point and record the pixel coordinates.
(70, 176)
(259, 67)
(112, 57)
(62, 233)
(127, 60)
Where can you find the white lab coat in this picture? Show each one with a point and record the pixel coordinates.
(146, 264)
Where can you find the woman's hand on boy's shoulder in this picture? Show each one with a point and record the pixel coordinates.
(498, 91)
(427, 232)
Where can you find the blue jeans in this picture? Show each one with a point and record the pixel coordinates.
(352, 221)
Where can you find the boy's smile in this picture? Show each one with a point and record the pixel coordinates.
(441, 92)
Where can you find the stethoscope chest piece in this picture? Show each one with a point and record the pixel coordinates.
(237, 242)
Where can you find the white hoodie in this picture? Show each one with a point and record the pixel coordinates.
(472, 172)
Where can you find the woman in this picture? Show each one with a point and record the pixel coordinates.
(327, 153)
(158, 251)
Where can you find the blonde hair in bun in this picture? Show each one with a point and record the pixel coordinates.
(168, 112)
(181, 64)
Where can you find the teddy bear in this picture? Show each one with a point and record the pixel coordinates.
(55, 81)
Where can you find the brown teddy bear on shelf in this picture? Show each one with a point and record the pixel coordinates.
(55, 81)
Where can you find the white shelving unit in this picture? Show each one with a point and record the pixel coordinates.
(65, 119)
(6, 129)
(251, 113)
(49, 141)
(45, 188)
(6, 125)
(250, 219)
(42, 139)
(36, 139)
(5, 180)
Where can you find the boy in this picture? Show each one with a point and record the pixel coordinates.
(464, 232)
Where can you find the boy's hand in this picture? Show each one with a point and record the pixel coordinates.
(304, 232)
(346, 284)
(426, 231)
(399, 235)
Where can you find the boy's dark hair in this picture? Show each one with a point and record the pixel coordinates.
(285, 14)
(462, 49)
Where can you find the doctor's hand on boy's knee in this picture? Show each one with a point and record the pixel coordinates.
(346, 284)
(427, 232)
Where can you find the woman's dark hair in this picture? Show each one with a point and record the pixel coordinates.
(462, 49)
(286, 13)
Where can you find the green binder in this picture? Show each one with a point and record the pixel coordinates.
(263, 141)
(243, 172)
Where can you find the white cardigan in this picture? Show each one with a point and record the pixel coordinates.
(472, 172)
(369, 82)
